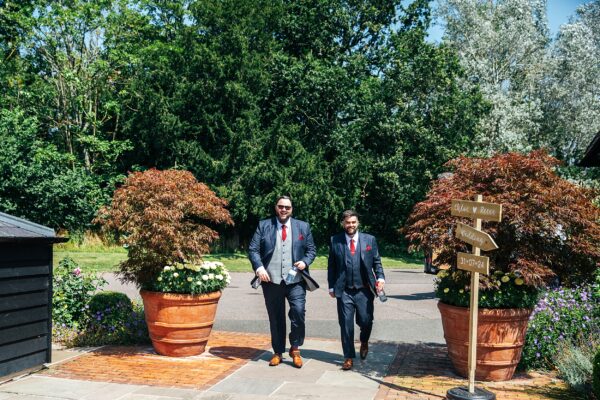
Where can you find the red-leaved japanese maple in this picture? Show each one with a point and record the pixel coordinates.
(549, 227)
(162, 217)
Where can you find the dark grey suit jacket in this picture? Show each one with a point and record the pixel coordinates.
(370, 261)
(262, 244)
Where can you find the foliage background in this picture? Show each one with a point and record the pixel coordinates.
(340, 104)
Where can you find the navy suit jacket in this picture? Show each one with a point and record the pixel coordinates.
(370, 261)
(263, 242)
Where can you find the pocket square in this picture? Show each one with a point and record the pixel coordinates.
(300, 237)
(369, 248)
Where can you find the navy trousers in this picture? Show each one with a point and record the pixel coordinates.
(275, 296)
(359, 303)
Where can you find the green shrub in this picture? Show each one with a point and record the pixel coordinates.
(574, 362)
(114, 319)
(114, 304)
(596, 375)
(562, 315)
(72, 291)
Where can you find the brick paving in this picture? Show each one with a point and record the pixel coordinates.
(424, 372)
(225, 353)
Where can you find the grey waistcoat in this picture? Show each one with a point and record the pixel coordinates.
(281, 261)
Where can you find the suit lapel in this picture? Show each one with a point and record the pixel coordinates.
(294, 231)
(273, 236)
(363, 247)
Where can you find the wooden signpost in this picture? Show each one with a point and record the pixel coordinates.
(476, 264)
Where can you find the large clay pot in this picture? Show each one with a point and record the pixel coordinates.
(500, 338)
(179, 324)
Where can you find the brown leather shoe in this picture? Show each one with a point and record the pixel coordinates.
(347, 364)
(364, 350)
(275, 360)
(296, 359)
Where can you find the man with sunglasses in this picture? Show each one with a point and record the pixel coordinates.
(280, 251)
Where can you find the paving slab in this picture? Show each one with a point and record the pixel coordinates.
(180, 394)
(31, 397)
(348, 380)
(243, 385)
(37, 385)
(323, 392)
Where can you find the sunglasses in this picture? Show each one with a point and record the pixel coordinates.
(284, 207)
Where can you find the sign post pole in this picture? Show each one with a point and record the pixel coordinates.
(474, 307)
(475, 263)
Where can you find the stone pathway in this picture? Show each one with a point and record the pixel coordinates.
(235, 367)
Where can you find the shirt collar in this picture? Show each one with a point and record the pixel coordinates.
(288, 223)
(355, 237)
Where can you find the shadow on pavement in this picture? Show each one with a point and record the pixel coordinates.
(414, 296)
(235, 352)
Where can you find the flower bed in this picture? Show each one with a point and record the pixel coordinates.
(191, 278)
(504, 290)
(561, 315)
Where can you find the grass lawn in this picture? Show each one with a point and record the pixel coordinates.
(106, 259)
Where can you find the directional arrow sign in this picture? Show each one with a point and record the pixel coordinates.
(473, 263)
(475, 237)
(476, 209)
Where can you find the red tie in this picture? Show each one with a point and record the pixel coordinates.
(283, 233)
(352, 248)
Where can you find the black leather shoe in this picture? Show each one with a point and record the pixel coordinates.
(364, 350)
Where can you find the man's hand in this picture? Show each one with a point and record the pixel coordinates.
(263, 275)
(332, 295)
(300, 265)
(380, 285)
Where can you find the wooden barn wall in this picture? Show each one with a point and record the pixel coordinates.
(25, 306)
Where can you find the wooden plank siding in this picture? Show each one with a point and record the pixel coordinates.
(25, 305)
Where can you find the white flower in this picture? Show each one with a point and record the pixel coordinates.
(213, 266)
(166, 268)
(211, 276)
(205, 265)
(204, 277)
(219, 277)
(175, 274)
(189, 279)
(179, 265)
(159, 279)
(198, 283)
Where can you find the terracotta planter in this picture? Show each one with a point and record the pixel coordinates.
(179, 324)
(500, 338)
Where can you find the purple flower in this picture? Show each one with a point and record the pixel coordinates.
(537, 355)
(77, 271)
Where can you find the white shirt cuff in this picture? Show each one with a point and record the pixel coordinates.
(381, 280)
(331, 290)
(260, 269)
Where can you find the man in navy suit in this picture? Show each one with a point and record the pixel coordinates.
(280, 248)
(355, 275)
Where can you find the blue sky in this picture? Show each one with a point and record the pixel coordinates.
(559, 12)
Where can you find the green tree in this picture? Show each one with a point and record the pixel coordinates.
(37, 182)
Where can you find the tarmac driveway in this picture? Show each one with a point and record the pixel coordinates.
(410, 315)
